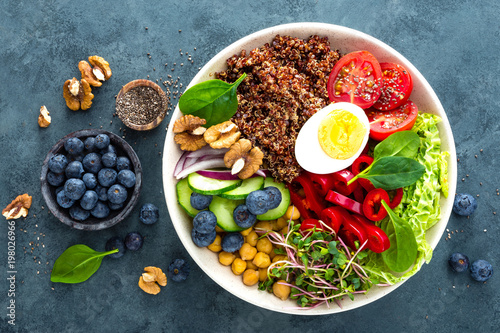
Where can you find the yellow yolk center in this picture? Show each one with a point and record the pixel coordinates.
(341, 134)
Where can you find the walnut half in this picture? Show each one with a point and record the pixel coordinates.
(78, 94)
(189, 131)
(18, 207)
(242, 159)
(222, 135)
(151, 279)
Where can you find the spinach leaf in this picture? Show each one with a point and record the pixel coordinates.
(405, 143)
(213, 100)
(404, 249)
(77, 263)
(392, 172)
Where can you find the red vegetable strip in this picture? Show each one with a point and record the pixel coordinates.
(345, 202)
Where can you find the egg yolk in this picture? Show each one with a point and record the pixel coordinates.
(341, 134)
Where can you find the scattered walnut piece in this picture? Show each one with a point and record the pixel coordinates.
(78, 94)
(44, 119)
(101, 68)
(88, 74)
(151, 279)
(189, 131)
(18, 207)
(222, 135)
(243, 159)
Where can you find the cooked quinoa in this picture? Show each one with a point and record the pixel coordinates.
(285, 85)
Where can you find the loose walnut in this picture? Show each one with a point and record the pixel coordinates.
(78, 94)
(243, 159)
(189, 132)
(44, 119)
(150, 281)
(88, 74)
(222, 135)
(101, 68)
(18, 207)
(149, 287)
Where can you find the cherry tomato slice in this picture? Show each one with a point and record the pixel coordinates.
(384, 123)
(378, 241)
(396, 86)
(372, 206)
(355, 78)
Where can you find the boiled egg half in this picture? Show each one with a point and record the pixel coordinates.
(332, 138)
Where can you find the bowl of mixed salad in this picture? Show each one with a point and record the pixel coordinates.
(309, 169)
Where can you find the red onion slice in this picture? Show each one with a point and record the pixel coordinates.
(218, 174)
(209, 164)
(180, 163)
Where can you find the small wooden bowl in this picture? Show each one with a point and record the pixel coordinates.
(92, 223)
(144, 83)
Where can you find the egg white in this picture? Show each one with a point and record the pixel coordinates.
(308, 151)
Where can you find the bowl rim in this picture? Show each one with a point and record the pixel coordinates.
(255, 40)
(104, 223)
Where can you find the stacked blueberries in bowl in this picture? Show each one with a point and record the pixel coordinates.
(91, 179)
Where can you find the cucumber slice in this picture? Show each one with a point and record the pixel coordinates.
(210, 186)
(247, 186)
(285, 201)
(223, 210)
(184, 197)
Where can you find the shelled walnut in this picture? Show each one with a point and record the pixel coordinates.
(96, 74)
(222, 135)
(151, 281)
(78, 94)
(44, 120)
(189, 132)
(18, 207)
(242, 159)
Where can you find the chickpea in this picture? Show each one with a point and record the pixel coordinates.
(279, 257)
(292, 212)
(264, 245)
(250, 277)
(272, 254)
(281, 223)
(246, 231)
(252, 238)
(284, 230)
(226, 258)
(238, 266)
(265, 225)
(247, 251)
(261, 260)
(215, 246)
(251, 265)
(262, 274)
(280, 290)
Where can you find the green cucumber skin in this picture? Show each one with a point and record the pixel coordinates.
(279, 211)
(223, 210)
(184, 197)
(242, 191)
(223, 185)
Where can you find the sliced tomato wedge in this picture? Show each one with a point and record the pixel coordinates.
(355, 78)
(385, 123)
(396, 86)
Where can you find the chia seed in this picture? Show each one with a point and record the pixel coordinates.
(140, 106)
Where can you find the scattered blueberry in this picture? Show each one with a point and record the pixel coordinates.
(274, 197)
(133, 241)
(63, 200)
(117, 194)
(126, 178)
(243, 217)
(149, 213)
(232, 242)
(78, 213)
(89, 200)
(459, 262)
(109, 160)
(102, 192)
(481, 270)
(57, 163)
(90, 180)
(74, 188)
(256, 202)
(115, 242)
(203, 240)
(89, 144)
(55, 179)
(106, 177)
(122, 163)
(200, 201)
(74, 170)
(101, 141)
(73, 146)
(464, 204)
(101, 210)
(204, 222)
(92, 162)
(178, 270)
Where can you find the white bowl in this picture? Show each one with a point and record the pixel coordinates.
(345, 40)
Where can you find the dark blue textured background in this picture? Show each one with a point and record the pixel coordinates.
(454, 44)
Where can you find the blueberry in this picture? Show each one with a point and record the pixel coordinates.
(203, 240)
(102, 192)
(458, 262)
(115, 242)
(117, 194)
(200, 201)
(101, 141)
(73, 146)
(243, 217)
(89, 144)
(178, 270)
(149, 213)
(133, 241)
(72, 158)
(92, 162)
(74, 170)
(74, 188)
(101, 210)
(106, 177)
(122, 163)
(59, 189)
(90, 180)
(89, 200)
(464, 204)
(114, 206)
(126, 178)
(232, 242)
(109, 160)
(481, 270)
(109, 149)
(204, 222)
(63, 200)
(57, 163)
(274, 197)
(78, 213)
(256, 202)
(55, 179)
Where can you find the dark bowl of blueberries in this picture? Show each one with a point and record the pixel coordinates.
(91, 179)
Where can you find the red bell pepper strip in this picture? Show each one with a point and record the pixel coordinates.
(359, 194)
(345, 202)
(310, 224)
(312, 202)
(396, 196)
(359, 164)
(298, 202)
(378, 241)
(340, 182)
(372, 206)
(333, 216)
(352, 231)
(323, 183)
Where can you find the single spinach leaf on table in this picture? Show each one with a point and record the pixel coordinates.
(393, 172)
(77, 263)
(212, 100)
(405, 143)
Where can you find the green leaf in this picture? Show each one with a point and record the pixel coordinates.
(405, 143)
(332, 248)
(77, 263)
(393, 172)
(213, 100)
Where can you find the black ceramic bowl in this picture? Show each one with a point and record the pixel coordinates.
(115, 216)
